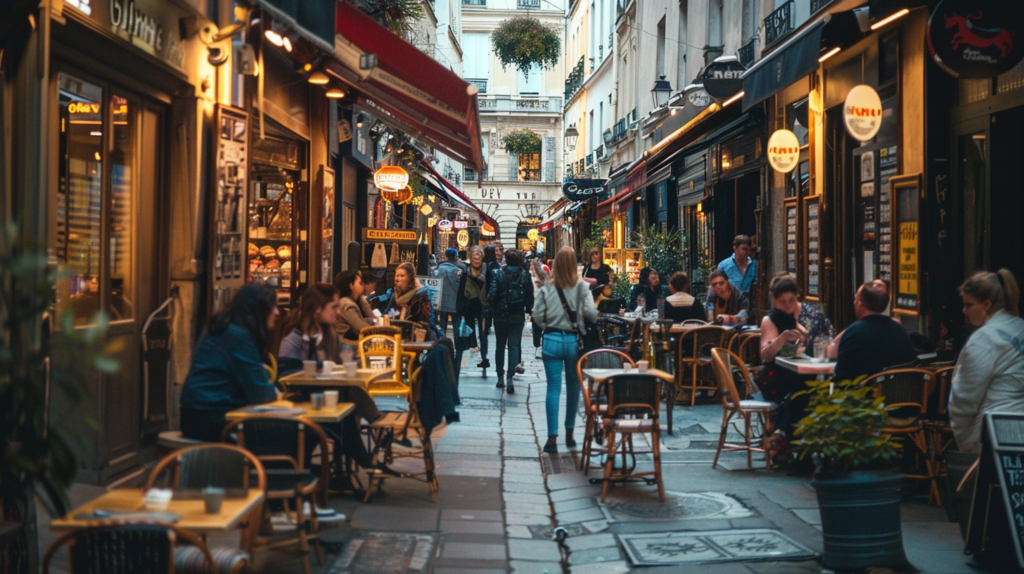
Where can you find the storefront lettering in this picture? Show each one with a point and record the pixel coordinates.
(491, 193)
(864, 112)
(526, 195)
(83, 108)
(124, 15)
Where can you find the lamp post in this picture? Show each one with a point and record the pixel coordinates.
(570, 137)
(662, 90)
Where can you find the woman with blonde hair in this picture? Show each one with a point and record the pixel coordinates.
(989, 375)
(560, 309)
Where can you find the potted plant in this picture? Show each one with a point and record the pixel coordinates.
(662, 250)
(857, 485)
(525, 42)
(521, 141)
(399, 16)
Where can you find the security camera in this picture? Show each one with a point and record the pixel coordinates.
(216, 56)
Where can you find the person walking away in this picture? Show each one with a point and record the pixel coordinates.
(989, 375)
(449, 272)
(490, 264)
(510, 291)
(469, 304)
(740, 268)
(559, 310)
(541, 275)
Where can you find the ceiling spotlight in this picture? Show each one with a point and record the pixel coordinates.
(335, 93)
(307, 67)
(274, 38)
(287, 44)
(359, 121)
(318, 78)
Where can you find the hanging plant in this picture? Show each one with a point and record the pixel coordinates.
(521, 141)
(524, 42)
(398, 15)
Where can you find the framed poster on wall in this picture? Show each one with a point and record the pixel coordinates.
(813, 248)
(791, 237)
(906, 191)
(327, 248)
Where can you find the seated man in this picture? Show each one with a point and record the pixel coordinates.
(680, 305)
(874, 342)
(726, 304)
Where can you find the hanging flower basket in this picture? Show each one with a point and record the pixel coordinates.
(521, 141)
(525, 42)
(398, 15)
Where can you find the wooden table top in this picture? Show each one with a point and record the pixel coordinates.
(336, 378)
(599, 375)
(193, 512)
(418, 347)
(324, 415)
(805, 366)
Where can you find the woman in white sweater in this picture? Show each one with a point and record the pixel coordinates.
(562, 323)
(989, 375)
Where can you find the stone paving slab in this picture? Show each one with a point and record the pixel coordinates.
(534, 550)
(460, 550)
(522, 567)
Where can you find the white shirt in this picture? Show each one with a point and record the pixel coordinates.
(680, 299)
(989, 377)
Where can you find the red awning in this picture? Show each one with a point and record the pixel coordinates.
(429, 101)
(634, 183)
(457, 196)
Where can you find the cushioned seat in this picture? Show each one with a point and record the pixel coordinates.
(190, 559)
(634, 425)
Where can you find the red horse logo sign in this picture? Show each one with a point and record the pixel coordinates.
(976, 38)
(979, 38)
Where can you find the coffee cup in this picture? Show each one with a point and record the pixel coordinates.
(309, 368)
(316, 400)
(213, 497)
(329, 366)
(642, 366)
(627, 367)
(419, 335)
(351, 368)
(330, 399)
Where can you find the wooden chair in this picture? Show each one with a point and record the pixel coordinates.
(747, 346)
(635, 345)
(130, 548)
(756, 415)
(634, 402)
(378, 344)
(593, 401)
(220, 465)
(936, 423)
(906, 393)
(281, 443)
(694, 354)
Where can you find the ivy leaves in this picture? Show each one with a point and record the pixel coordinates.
(523, 41)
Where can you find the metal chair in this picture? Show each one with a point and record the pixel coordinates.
(906, 393)
(220, 465)
(593, 401)
(694, 355)
(128, 548)
(756, 415)
(614, 331)
(280, 443)
(634, 402)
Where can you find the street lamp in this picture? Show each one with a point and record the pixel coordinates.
(662, 90)
(570, 137)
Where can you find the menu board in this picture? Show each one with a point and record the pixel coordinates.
(1000, 479)
(791, 229)
(887, 168)
(905, 191)
(813, 263)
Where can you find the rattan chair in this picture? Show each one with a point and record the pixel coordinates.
(281, 443)
(594, 402)
(634, 402)
(747, 346)
(129, 548)
(936, 423)
(693, 357)
(220, 465)
(906, 393)
(635, 344)
(756, 415)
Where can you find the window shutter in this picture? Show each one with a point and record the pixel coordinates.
(547, 159)
(513, 167)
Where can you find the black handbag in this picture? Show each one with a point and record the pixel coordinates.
(584, 342)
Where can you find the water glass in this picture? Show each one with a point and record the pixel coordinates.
(316, 400)
(821, 349)
(330, 399)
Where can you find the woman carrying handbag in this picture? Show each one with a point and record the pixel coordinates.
(560, 310)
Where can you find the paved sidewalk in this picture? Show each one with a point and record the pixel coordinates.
(501, 499)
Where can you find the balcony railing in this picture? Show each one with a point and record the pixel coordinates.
(525, 105)
(817, 5)
(474, 2)
(599, 152)
(575, 80)
(778, 24)
(481, 84)
(528, 4)
(747, 52)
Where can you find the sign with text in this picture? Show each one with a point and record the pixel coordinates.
(862, 113)
(581, 189)
(905, 203)
(697, 96)
(433, 285)
(996, 528)
(783, 151)
(722, 77)
(976, 38)
(389, 235)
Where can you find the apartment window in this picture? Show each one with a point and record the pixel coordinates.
(660, 61)
(600, 124)
(590, 136)
(682, 79)
(529, 167)
(477, 58)
(750, 19)
(593, 33)
(529, 84)
(715, 23)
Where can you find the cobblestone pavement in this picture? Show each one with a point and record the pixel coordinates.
(501, 499)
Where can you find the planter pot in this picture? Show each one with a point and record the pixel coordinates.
(860, 519)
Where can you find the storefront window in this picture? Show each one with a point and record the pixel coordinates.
(529, 167)
(121, 227)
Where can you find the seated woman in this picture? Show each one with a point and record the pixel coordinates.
(680, 305)
(649, 288)
(227, 370)
(726, 305)
(788, 324)
(411, 300)
(355, 313)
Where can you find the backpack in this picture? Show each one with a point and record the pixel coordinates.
(514, 298)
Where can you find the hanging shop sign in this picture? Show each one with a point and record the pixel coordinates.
(722, 78)
(582, 189)
(533, 235)
(783, 151)
(399, 197)
(697, 96)
(344, 131)
(487, 229)
(976, 38)
(444, 225)
(462, 238)
(862, 113)
(460, 224)
(389, 235)
(391, 177)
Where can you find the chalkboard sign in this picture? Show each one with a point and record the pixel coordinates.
(813, 249)
(999, 492)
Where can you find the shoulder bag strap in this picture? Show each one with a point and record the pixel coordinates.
(565, 306)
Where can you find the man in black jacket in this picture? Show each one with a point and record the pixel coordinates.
(874, 342)
(510, 291)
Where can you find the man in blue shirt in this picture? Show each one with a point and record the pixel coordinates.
(739, 267)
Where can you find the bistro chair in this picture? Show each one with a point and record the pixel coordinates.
(594, 403)
(756, 415)
(385, 432)
(614, 331)
(407, 328)
(281, 443)
(693, 357)
(380, 345)
(906, 393)
(133, 548)
(635, 344)
(747, 346)
(634, 401)
(221, 465)
(936, 423)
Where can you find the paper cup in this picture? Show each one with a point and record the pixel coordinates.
(351, 368)
(420, 335)
(642, 366)
(309, 368)
(213, 497)
(329, 366)
(330, 399)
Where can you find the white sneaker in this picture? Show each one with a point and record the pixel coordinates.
(539, 354)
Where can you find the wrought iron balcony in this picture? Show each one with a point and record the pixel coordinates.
(528, 4)
(522, 105)
(778, 24)
(575, 80)
(817, 5)
(474, 2)
(480, 83)
(747, 52)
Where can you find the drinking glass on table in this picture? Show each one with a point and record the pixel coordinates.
(821, 348)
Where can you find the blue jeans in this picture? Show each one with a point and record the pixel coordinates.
(509, 331)
(560, 350)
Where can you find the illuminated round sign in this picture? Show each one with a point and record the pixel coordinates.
(487, 229)
(444, 225)
(462, 238)
(391, 177)
(783, 151)
(862, 113)
(533, 235)
(976, 38)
